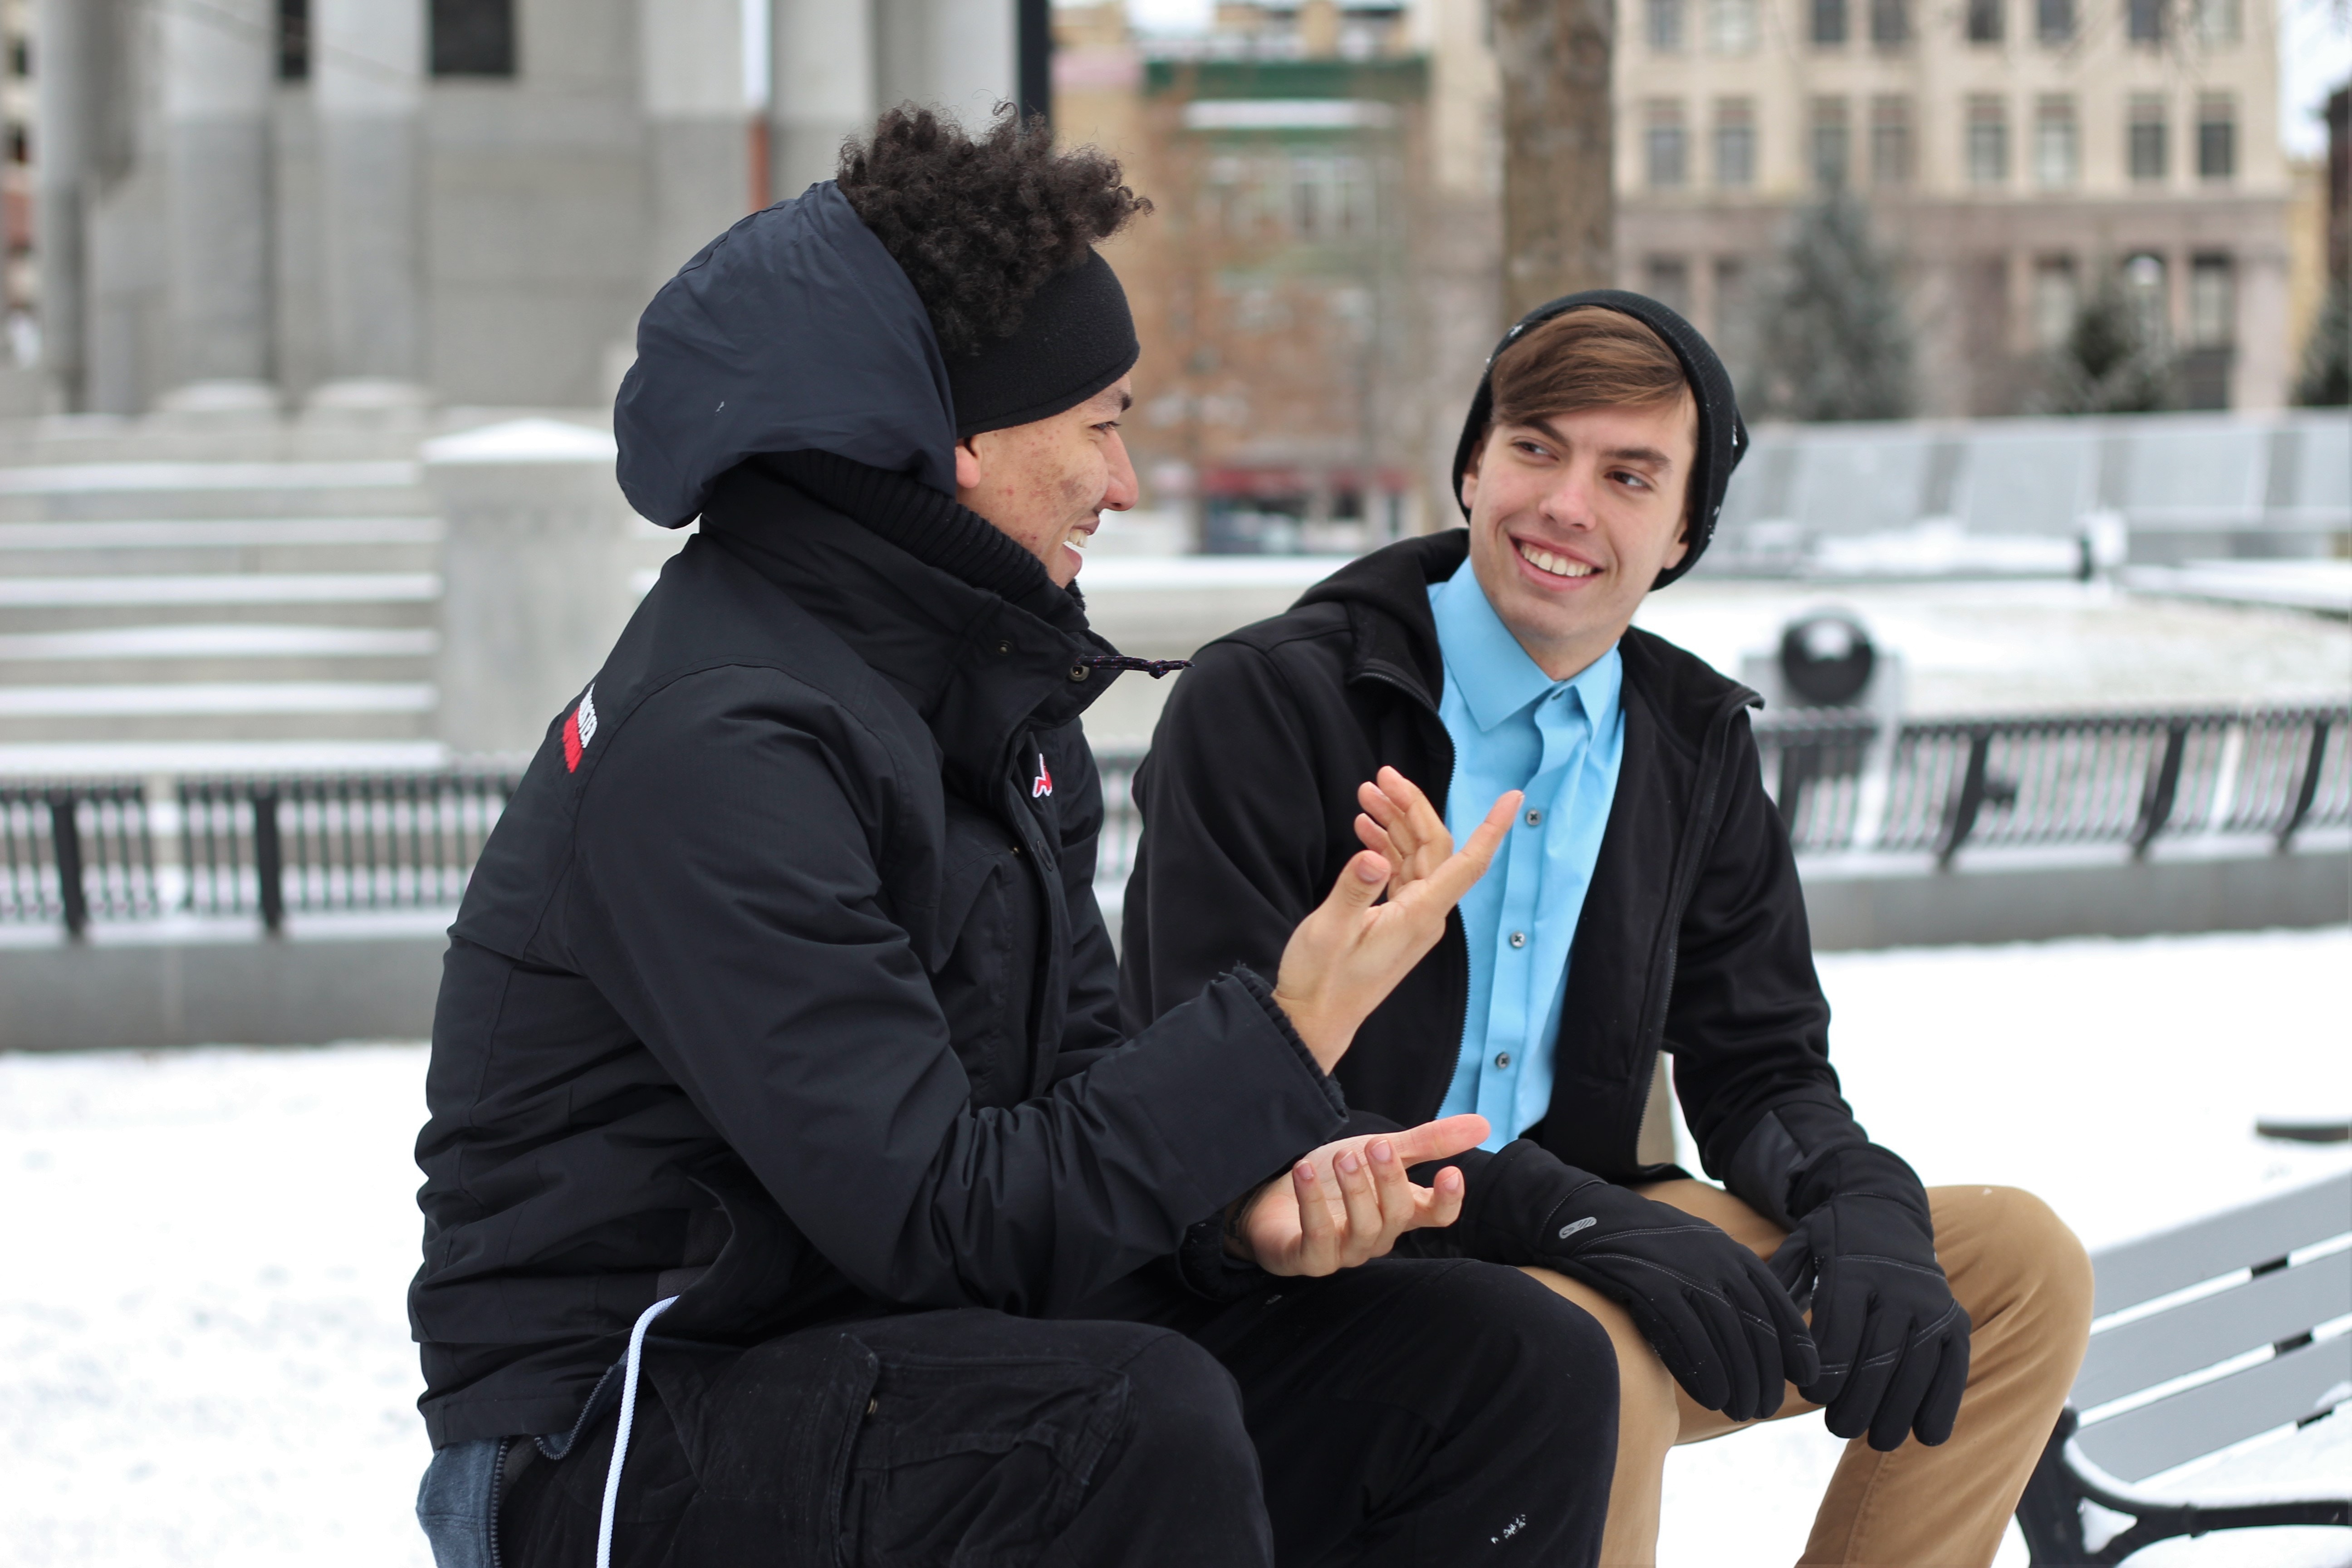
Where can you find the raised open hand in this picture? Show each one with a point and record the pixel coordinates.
(1349, 955)
(1348, 1202)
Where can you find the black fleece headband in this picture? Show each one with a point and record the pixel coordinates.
(1722, 439)
(1075, 338)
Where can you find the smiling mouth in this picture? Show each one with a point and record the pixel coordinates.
(1078, 538)
(1544, 561)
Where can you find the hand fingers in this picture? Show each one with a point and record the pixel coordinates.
(1400, 1209)
(1840, 1317)
(1725, 1331)
(1448, 882)
(1764, 1348)
(1801, 1359)
(1890, 1424)
(1406, 815)
(1849, 1415)
(1362, 880)
(1440, 1140)
(1363, 1203)
(1439, 1204)
(1319, 1232)
(1940, 1406)
(1374, 837)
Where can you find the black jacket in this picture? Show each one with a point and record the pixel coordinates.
(1692, 936)
(780, 981)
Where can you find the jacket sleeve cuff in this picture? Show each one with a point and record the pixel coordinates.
(1264, 994)
(1207, 1269)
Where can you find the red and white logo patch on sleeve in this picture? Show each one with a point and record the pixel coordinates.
(579, 729)
(1043, 785)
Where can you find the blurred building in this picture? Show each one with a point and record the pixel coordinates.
(347, 205)
(2012, 151)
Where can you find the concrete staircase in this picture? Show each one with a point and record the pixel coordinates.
(181, 601)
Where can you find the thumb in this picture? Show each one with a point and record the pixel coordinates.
(1362, 880)
(1792, 1265)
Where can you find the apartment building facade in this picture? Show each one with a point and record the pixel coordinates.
(2012, 152)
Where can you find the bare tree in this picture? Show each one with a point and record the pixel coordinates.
(1559, 205)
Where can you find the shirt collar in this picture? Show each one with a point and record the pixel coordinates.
(1493, 672)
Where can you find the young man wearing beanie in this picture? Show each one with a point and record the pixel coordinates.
(786, 1163)
(1647, 901)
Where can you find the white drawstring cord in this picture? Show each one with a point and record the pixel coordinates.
(621, 1435)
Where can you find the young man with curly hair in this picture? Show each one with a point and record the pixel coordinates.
(793, 1196)
(1647, 901)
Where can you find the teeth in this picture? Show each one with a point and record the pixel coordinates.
(1557, 565)
(1077, 539)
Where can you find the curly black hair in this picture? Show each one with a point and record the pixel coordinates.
(979, 224)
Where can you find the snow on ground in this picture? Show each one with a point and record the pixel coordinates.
(203, 1357)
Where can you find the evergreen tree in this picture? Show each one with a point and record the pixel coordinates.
(1832, 341)
(2116, 360)
(2327, 379)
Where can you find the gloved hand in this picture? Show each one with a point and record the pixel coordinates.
(1894, 1342)
(1725, 1329)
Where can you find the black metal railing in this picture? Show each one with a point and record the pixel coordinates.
(73, 852)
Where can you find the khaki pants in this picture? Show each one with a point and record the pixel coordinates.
(2026, 1285)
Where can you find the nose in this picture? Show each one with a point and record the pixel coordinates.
(1569, 502)
(1123, 491)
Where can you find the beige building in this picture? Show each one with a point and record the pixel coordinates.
(2010, 150)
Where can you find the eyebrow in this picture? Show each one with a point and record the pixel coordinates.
(1650, 455)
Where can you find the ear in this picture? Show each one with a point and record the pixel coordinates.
(1681, 547)
(1470, 475)
(967, 465)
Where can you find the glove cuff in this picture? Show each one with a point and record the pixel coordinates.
(1802, 1153)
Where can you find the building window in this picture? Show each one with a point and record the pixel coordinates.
(2217, 138)
(1731, 26)
(1730, 298)
(473, 37)
(1890, 23)
(1667, 278)
(1890, 140)
(2145, 291)
(2057, 147)
(1666, 26)
(2215, 21)
(2144, 21)
(1988, 141)
(2145, 138)
(293, 40)
(1984, 21)
(2212, 303)
(2053, 20)
(1829, 21)
(1734, 143)
(1667, 145)
(1831, 144)
(2056, 298)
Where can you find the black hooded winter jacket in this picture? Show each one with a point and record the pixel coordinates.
(780, 981)
(1692, 936)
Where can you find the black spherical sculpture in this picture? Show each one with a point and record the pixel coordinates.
(1826, 657)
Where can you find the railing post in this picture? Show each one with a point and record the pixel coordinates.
(2163, 786)
(2308, 790)
(269, 862)
(65, 834)
(1799, 762)
(1961, 820)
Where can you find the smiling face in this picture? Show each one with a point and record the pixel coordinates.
(1047, 484)
(1572, 517)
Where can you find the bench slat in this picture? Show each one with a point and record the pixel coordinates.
(2196, 1421)
(2264, 1310)
(2153, 1266)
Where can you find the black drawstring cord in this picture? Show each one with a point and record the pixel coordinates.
(1154, 668)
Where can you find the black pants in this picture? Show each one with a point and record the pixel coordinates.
(1411, 1411)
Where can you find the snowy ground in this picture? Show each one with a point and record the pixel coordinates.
(203, 1357)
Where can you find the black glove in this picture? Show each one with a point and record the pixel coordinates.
(1861, 1250)
(1723, 1327)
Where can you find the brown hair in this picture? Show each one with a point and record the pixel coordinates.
(1591, 357)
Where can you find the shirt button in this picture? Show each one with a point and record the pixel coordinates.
(1535, 818)
(1502, 1059)
(1518, 938)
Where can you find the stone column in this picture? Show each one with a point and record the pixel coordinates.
(217, 68)
(975, 56)
(821, 88)
(698, 125)
(61, 168)
(534, 573)
(367, 65)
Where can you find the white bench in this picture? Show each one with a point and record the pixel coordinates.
(2242, 1291)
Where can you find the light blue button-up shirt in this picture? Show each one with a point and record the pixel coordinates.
(1514, 727)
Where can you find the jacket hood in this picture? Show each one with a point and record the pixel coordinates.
(1722, 438)
(794, 332)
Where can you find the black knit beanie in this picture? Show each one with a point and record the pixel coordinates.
(1075, 338)
(1722, 439)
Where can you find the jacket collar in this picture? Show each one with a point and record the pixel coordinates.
(961, 621)
(1394, 635)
